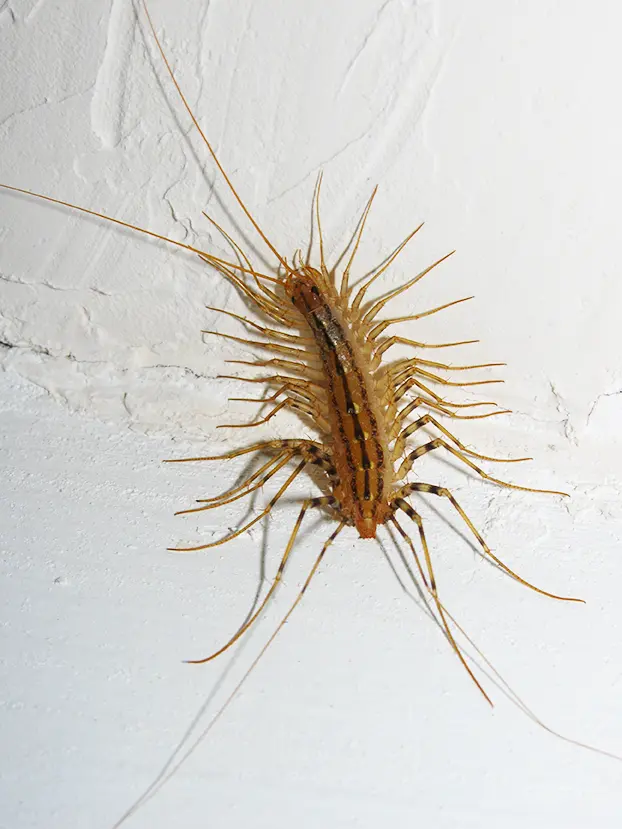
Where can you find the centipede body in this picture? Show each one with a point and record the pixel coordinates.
(306, 401)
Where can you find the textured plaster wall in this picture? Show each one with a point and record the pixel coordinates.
(497, 123)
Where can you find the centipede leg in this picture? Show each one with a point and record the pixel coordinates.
(407, 384)
(431, 404)
(247, 526)
(393, 340)
(328, 500)
(428, 419)
(290, 403)
(297, 446)
(268, 332)
(250, 480)
(439, 443)
(286, 387)
(375, 309)
(442, 492)
(344, 287)
(436, 379)
(403, 505)
(271, 379)
(250, 485)
(381, 326)
(290, 365)
(282, 349)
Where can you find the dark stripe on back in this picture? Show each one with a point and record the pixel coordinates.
(331, 344)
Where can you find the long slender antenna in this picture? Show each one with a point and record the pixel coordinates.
(207, 143)
(214, 260)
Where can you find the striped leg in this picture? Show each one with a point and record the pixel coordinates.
(420, 372)
(297, 446)
(433, 404)
(268, 332)
(440, 403)
(394, 340)
(288, 449)
(247, 526)
(405, 491)
(251, 484)
(426, 420)
(403, 505)
(439, 443)
(308, 504)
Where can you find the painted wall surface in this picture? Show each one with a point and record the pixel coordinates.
(499, 125)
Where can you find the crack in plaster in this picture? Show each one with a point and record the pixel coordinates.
(597, 400)
(569, 430)
(45, 283)
(36, 348)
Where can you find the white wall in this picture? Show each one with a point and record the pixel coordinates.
(497, 123)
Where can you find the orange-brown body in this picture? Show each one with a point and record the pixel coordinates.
(356, 412)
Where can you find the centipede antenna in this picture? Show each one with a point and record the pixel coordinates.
(212, 260)
(207, 143)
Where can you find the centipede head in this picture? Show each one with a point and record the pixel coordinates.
(304, 287)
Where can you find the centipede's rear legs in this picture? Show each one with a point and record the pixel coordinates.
(310, 503)
(442, 492)
(430, 581)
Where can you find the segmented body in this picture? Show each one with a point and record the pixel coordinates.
(357, 412)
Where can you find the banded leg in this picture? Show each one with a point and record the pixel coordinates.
(297, 388)
(263, 303)
(358, 233)
(378, 271)
(433, 364)
(316, 208)
(297, 446)
(249, 267)
(439, 404)
(403, 386)
(312, 452)
(297, 393)
(310, 503)
(250, 485)
(403, 505)
(375, 309)
(289, 365)
(272, 378)
(426, 420)
(262, 420)
(247, 526)
(288, 402)
(276, 632)
(439, 443)
(282, 349)
(403, 374)
(423, 401)
(442, 492)
(267, 332)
